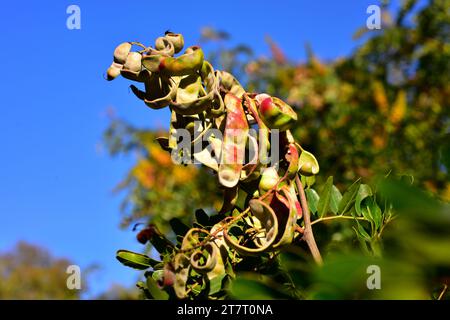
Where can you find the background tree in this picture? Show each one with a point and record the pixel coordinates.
(31, 272)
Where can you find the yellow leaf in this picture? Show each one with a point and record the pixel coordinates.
(399, 108)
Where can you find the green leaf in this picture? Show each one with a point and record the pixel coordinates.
(361, 232)
(251, 289)
(155, 291)
(349, 196)
(135, 260)
(202, 217)
(364, 191)
(215, 284)
(178, 227)
(310, 181)
(336, 197)
(325, 197)
(313, 199)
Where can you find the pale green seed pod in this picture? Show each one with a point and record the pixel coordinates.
(121, 52)
(269, 179)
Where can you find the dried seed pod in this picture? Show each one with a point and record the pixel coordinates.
(182, 267)
(249, 171)
(164, 46)
(176, 39)
(191, 97)
(121, 52)
(264, 218)
(230, 84)
(113, 71)
(234, 141)
(132, 67)
(284, 205)
(188, 63)
(159, 91)
(209, 257)
(275, 113)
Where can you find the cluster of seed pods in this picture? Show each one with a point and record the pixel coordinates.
(203, 101)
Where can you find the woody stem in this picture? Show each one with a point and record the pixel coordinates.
(308, 235)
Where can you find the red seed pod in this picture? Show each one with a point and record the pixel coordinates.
(234, 142)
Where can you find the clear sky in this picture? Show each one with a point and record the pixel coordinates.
(55, 180)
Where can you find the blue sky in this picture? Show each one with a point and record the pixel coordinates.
(55, 180)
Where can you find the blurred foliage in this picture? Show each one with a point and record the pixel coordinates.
(385, 107)
(414, 264)
(30, 272)
(119, 292)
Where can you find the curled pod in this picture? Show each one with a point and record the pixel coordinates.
(283, 203)
(132, 66)
(249, 171)
(234, 141)
(181, 269)
(121, 52)
(204, 260)
(230, 84)
(308, 164)
(113, 71)
(263, 217)
(164, 46)
(176, 39)
(188, 63)
(191, 97)
(275, 113)
(159, 91)
(193, 237)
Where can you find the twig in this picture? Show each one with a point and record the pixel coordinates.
(441, 295)
(337, 217)
(308, 233)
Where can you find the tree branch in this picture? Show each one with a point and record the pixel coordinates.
(308, 235)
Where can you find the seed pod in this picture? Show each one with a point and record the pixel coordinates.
(159, 91)
(269, 180)
(209, 257)
(265, 219)
(132, 66)
(275, 113)
(176, 39)
(230, 84)
(164, 46)
(182, 268)
(234, 141)
(188, 63)
(283, 203)
(308, 164)
(113, 71)
(121, 52)
(292, 158)
(190, 97)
